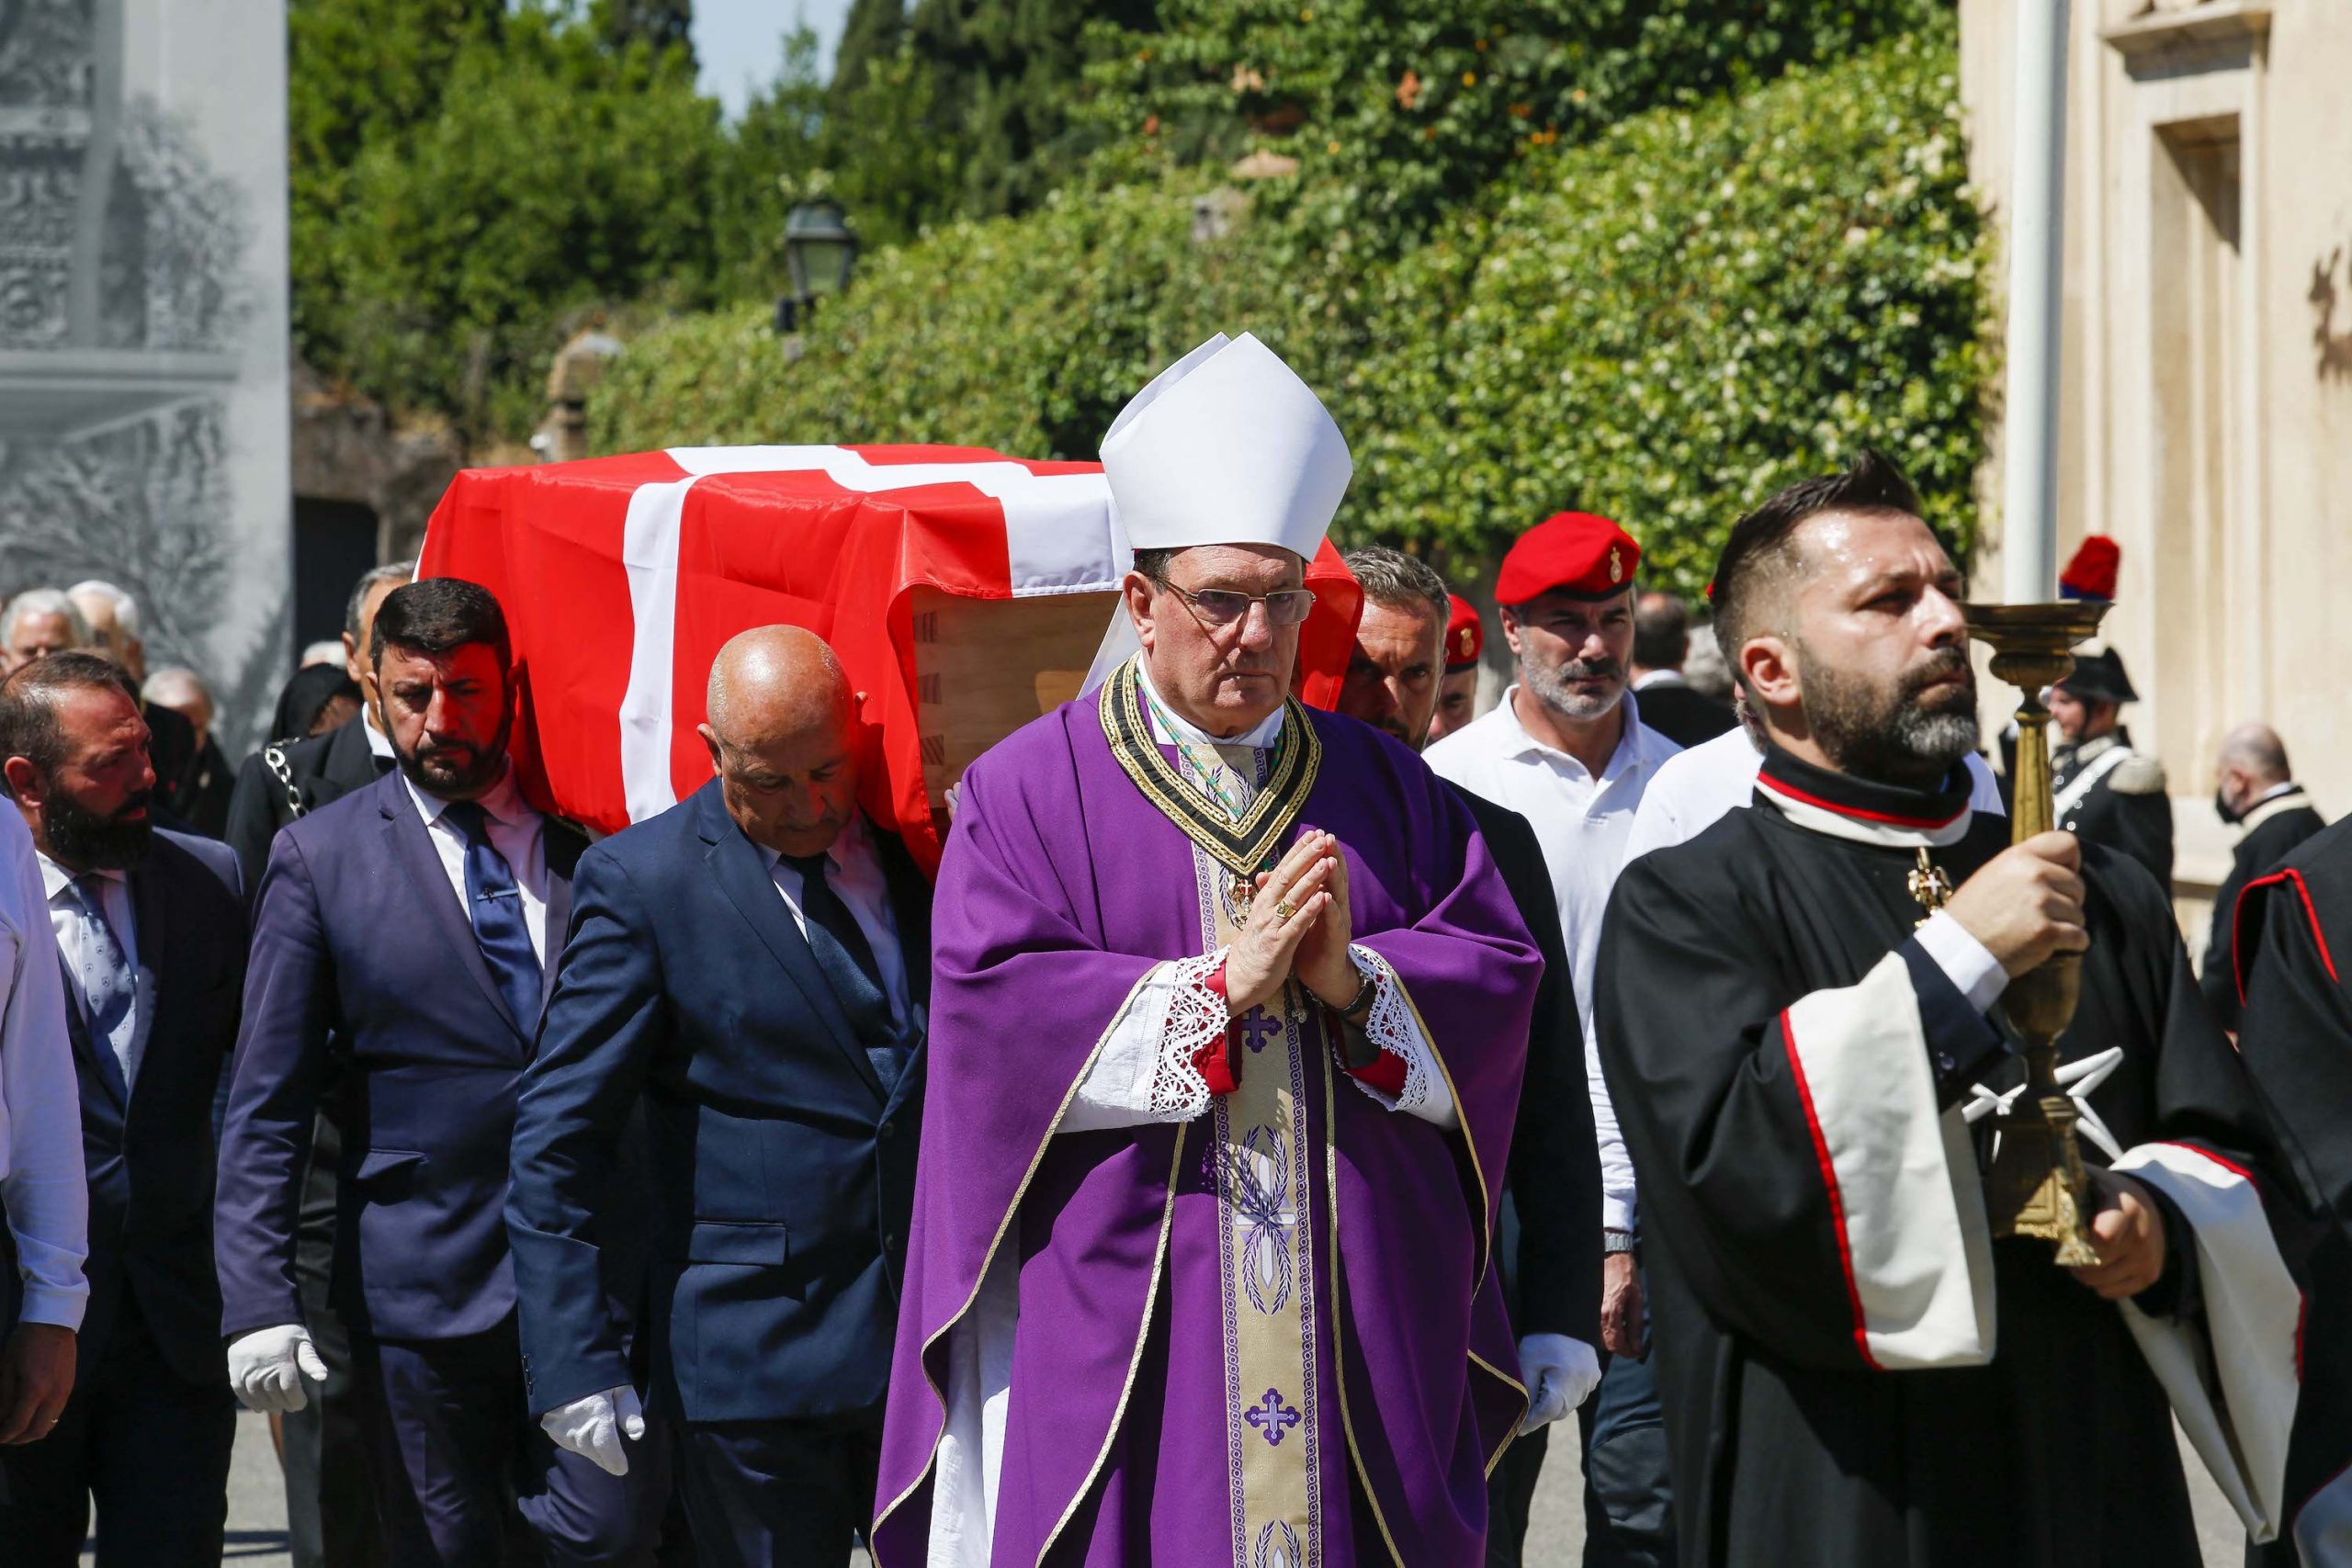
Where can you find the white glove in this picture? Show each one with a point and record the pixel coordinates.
(1560, 1374)
(593, 1427)
(267, 1366)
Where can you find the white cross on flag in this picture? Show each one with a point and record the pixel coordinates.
(622, 577)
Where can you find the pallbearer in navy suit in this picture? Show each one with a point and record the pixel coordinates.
(149, 931)
(410, 923)
(753, 966)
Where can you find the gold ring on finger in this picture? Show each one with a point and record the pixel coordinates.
(1282, 911)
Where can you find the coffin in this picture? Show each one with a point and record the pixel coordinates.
(966, 592)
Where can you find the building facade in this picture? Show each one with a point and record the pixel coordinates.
(2206, 406)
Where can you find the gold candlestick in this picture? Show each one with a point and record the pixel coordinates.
(2038, 1186)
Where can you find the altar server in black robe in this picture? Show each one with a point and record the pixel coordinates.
(1855, 1372)
(2293, 940)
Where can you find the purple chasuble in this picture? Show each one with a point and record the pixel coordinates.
(1062, 886)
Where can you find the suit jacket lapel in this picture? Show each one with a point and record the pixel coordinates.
(911, 908)
(735, 862)
(561, 849)
(154, 926)
(412, 849)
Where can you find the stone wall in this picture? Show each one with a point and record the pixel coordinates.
(2206, 413)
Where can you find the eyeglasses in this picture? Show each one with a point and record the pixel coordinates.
(1223, 607)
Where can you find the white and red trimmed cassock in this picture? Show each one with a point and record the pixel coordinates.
(1854, 1371)
(2292, 959)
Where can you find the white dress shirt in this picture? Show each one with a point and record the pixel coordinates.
(853, 871)
(516, 831)
(42, 1187)
(79, 945)
(1582, 823)
(380, 745)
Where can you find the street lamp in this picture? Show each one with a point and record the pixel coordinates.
(819, 249)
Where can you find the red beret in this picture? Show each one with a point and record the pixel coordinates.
(1465, 635)
(2091, 574)
(1576, 552)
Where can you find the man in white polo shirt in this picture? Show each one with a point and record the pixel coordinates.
(1566, 749)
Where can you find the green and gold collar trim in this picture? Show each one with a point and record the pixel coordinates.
(1244, 847)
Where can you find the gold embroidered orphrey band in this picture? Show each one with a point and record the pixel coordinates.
(1242, 847)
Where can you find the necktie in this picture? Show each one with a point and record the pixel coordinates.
(109, 985)
(849, 965)
(494, 906)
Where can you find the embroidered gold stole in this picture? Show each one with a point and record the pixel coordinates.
(1265, 1170)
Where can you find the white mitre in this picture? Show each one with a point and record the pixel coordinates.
(1226, 447)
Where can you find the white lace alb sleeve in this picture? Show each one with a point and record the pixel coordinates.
(1393, 1028)
(1145, 1071)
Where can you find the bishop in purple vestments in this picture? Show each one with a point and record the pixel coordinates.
(1230, 1012)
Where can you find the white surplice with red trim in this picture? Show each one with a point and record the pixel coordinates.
(1855, 1370)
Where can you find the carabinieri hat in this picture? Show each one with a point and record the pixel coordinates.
(1465, 635)
(1571, 552)
(2100, 677)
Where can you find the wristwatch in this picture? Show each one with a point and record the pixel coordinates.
(1619, 1241)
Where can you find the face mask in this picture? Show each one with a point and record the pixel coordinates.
(2222, 809)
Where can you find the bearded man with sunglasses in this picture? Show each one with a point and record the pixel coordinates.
(1230, 1012)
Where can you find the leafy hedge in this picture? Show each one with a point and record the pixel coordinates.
(1401, 109)
(1663, 325)
(1699, 308)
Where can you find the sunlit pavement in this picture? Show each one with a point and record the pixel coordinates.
(257, 1509)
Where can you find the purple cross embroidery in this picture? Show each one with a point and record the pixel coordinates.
(1259, 1029)
(1272, 1417)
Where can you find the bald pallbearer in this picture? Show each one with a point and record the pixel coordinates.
(749, 967)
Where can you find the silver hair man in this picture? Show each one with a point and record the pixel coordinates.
(40, 621)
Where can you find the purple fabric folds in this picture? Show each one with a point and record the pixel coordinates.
(1061, 888)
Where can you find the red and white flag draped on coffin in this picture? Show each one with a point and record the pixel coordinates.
(621, 577)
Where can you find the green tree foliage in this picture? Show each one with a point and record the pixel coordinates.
(359, 70)
(1663, 325)
(773, 157)
(664, 23)
(473, 181)
(1401, 109)
(871, 31)
(362, 68)
(1006, 72)
(959, 108)
(1695, 309)
(893, 151)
